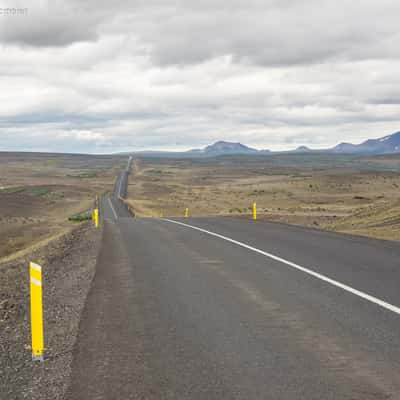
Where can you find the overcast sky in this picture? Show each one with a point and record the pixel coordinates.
(106, 76)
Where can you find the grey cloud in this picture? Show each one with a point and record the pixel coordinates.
(390, 100)
(271, 33)
(109, 76)
(52, 23)
(55, 35)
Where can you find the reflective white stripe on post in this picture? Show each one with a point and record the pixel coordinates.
(36, 267)
(36, 282)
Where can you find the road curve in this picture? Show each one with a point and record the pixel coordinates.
(177, 313)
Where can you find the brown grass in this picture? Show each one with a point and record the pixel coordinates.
(38, 192)
(346, 197)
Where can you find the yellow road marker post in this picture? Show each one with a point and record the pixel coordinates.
(96, 217)
(161, 215)
(186, 213)
(36, 312)
(254, 211)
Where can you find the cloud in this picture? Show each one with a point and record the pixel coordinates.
(270, 33)
(110, 76)
(48, 23)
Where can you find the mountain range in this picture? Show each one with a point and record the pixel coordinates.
(386, 145)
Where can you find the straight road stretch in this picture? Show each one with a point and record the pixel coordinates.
(225, 308)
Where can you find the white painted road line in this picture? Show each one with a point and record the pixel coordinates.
(317, 275)
(120, 185)
(112, 209)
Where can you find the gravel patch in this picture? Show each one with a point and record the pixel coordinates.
(69, 265)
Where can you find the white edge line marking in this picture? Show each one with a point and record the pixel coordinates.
(36, 267)
(324, 278)
(122, 178)
(113, 209)
(36, 282)
(120, 185)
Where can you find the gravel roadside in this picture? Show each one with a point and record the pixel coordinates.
(69, 265)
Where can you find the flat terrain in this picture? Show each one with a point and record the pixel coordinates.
(358, 195)
(215, 308)
(38, 192)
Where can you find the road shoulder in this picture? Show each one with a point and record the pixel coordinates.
(69, 264)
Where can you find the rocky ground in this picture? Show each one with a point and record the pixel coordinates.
(343, 194)
(69, 264)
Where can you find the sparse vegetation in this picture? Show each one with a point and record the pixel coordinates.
(12, 190)
(39, 191)
(34, 191)
(83, 175)
(36, 198)
(342, 193)
(81, 217)
(158, 172)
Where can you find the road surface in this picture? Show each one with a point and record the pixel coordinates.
(237, 309)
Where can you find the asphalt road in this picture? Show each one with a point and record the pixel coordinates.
(180, 313)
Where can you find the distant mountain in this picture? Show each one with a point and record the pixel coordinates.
(385, 145)
(302, 149)
(221, 147)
